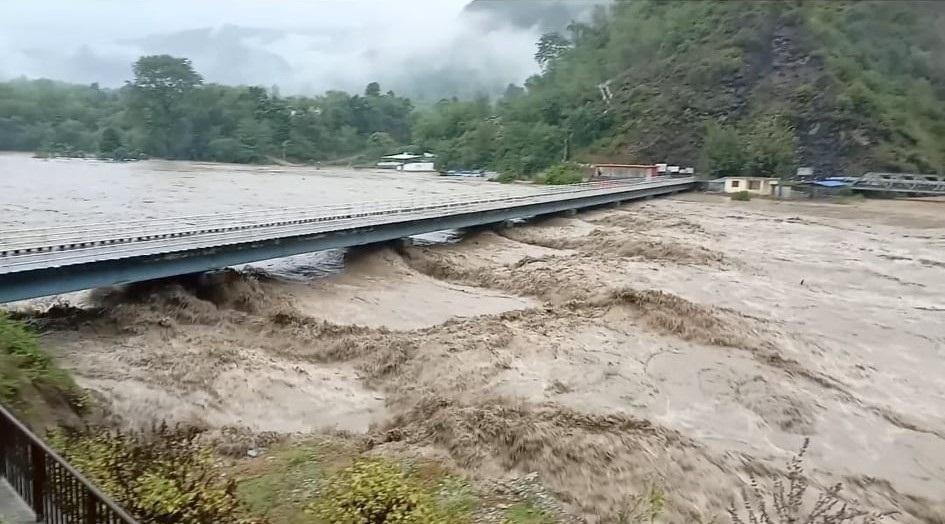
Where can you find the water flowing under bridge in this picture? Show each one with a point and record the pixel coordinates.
(54, 260)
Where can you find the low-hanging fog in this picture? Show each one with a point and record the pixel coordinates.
(425, 48)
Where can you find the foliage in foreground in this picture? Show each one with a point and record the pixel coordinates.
(24, 365)
(784, 504)
(167, 477)
(376, 491)
(741, 196)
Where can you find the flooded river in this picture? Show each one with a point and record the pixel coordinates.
(39, 193)
(689, 339)
(42, 193)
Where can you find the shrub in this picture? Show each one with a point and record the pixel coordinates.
(166, 476)
(563, 174)
(506, 177)
(785, 503)
(741, 196)
(643, 508)
(378, 492)
(23, 363)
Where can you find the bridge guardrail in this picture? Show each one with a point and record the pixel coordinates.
(45, 233)
(57, 493)
(65, 238)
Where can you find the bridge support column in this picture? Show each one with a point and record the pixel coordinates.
(570, 212)
(213, 277)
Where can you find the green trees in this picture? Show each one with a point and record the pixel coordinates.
(110, 141)
(636, 81)
(46, 115)
(160, 97)
(551, 46)
(771, 148)
(766, 147)
(723, 152)
(563, 174)
(168, 111)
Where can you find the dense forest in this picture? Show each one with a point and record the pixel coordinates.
(729, 86)
(167, 111)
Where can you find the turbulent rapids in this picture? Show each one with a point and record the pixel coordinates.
(599, 354)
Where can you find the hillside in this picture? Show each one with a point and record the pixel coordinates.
(863, 83)
(859, 85)
(758, 87)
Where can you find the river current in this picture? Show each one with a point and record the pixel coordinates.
(46, 193)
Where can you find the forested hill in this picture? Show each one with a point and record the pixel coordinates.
(761, 87)
(732, 87)
(860, 85)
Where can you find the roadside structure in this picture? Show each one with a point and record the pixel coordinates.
(766, 186)
(408, 162)
(622, 171)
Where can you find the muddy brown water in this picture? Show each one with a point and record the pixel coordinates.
(684, 342)
(37, 193)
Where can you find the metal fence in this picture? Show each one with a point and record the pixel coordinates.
(57, 493)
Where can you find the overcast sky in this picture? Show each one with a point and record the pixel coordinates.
(91, 20)
(320, 44)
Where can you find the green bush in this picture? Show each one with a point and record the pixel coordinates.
(378, 492)
(562, 174)
(23, 364)
(741, 196)
(506, 177)
(164, 477)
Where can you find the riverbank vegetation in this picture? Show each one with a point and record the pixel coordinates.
(166, 475)
(835, 85)
(31, 384)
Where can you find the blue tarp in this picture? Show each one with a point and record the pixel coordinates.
(830, 183)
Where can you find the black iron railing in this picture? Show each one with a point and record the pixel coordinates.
(57, 492)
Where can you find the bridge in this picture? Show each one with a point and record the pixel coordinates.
(901, 183)
(50, 261)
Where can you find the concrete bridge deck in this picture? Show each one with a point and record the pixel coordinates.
(48, 261)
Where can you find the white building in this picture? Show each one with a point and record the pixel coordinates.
(408, 162)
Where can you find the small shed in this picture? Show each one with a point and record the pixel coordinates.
(752, 184)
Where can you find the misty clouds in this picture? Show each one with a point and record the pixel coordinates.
(424, 47)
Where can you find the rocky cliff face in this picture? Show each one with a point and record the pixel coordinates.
(862, 83)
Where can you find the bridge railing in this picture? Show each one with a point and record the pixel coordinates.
(57, 493)
(68, 237)
(327, 208)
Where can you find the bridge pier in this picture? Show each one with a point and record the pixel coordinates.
(214, 277)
